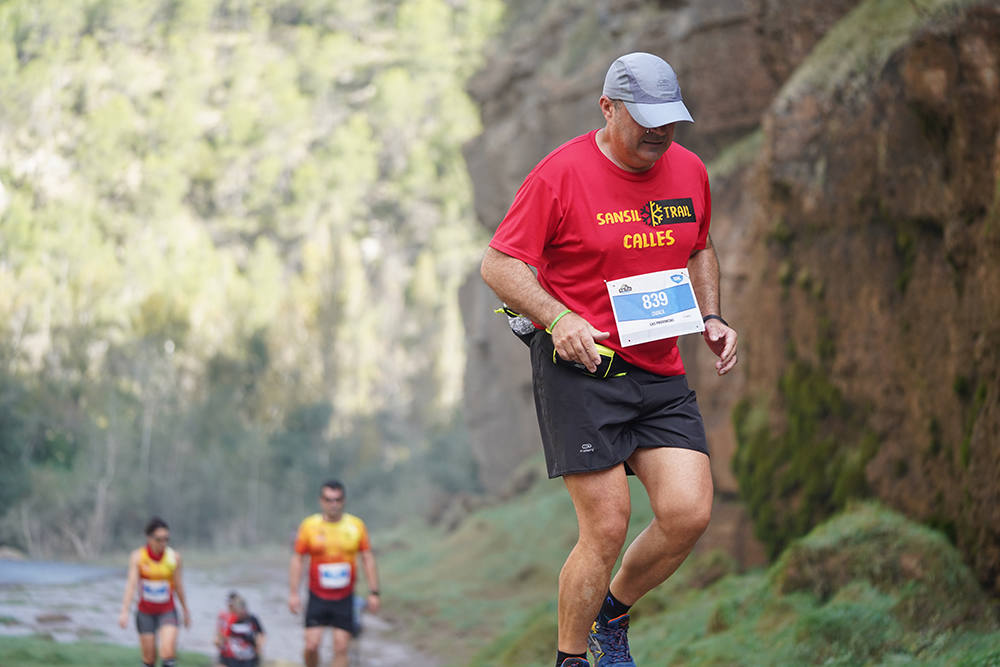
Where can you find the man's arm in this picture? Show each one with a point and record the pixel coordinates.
(516, 285)
(371, 576)
(703, 268)
(294, 581)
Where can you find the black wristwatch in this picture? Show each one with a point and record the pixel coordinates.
(375, 593)
(712, 316)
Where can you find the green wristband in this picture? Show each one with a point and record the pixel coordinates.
(561, 315)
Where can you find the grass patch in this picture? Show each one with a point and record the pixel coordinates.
(458, 592)
(41, 651)
(867, 587)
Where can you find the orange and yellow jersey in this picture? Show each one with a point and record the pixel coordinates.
(332, 547)
(156, 581)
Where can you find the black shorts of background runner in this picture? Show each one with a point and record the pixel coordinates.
(590, 424)
(150, 623)
(234, 662)
(331, 613)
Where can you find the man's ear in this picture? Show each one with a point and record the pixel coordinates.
(607, 107)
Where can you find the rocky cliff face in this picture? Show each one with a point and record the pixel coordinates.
(852, 149)
(876, 245)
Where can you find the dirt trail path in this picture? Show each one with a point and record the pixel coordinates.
(73, 602)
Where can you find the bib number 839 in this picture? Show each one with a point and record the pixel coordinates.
(654, 300)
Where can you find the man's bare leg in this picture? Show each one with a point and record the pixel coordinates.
(310, 655)
(603, 506)
(341, 645)
(679, 484)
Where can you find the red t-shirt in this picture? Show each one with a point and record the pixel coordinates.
(581, 220)
(333, 547)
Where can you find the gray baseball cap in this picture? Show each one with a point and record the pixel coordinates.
(648, 87)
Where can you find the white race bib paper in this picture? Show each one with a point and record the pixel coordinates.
(654, 306)
(334, 575)
(155, 590)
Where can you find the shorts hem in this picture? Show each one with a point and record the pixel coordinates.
(577, 471)
(332, 613)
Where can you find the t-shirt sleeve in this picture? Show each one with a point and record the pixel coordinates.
(363, 543)
(301, 545)
(530, 223)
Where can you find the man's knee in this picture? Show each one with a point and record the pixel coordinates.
(684, 518)
(341, 639)
(312, 643)
(605, 535)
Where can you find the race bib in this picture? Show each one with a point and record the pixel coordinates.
(654, 306)
(155, 590)
(334, 575)
(241, 649)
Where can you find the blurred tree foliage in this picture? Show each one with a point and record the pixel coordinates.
(231, 238)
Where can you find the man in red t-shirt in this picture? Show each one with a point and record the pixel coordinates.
(615, 223)
(332, 541)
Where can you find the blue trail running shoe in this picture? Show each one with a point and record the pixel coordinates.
(609, 643)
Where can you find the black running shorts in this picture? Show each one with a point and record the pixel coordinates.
(150, 623)
(590, 424)
(331, 613)
(234, 662)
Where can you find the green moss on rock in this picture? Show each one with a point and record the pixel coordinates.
(932, 588)
(811, 465)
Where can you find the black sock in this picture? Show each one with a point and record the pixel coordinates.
(149, 664)
(612, 608)
(170, 662)
(560, 656)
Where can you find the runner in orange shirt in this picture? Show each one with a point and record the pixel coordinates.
(155, 570)
(333, 540)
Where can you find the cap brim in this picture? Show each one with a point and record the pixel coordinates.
(657, 115)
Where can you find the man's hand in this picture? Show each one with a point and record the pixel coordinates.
(373, 603)
(574, 339)
(187, 618)
(721, 339)
(294, 604)
(123, 618)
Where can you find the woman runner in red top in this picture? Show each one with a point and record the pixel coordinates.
(155, 571)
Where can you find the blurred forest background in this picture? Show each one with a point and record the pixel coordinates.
(231, 236)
